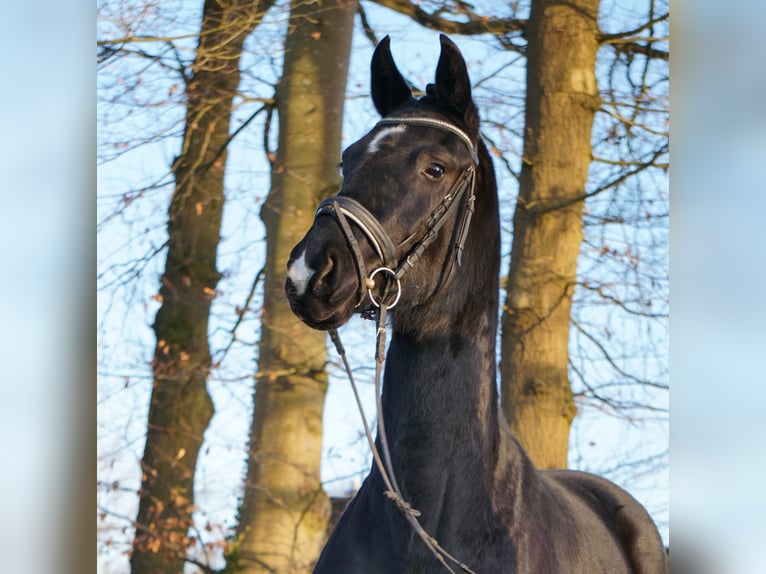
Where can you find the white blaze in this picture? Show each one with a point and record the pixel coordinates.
(383, 134)
(300, 274)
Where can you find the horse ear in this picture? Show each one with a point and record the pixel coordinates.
(452, 84)
(389, 89)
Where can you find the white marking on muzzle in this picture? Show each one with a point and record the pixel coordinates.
(300, 274)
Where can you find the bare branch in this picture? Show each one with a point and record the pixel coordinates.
(475, 24)
(621, 304)
(605, 353)
(368, 31)
(632, 42)
(495, 150)
(140, 39)
(636, 46)
(538, 209)
(241, 311)
(630, 34)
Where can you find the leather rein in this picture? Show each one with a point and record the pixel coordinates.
(345, 209)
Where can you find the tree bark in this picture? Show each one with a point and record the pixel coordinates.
(180, 407)
(561, 101)
(284, 512)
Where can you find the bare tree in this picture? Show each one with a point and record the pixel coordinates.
(284, 512)
(561, 101)
(180, 407)
(615, 331)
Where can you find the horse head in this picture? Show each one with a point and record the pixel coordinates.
(394, 233)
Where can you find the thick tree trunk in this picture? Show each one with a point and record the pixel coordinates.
(180, 407)
(285, 511)
(561, 101)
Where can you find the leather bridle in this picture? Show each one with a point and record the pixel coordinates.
(345, 209)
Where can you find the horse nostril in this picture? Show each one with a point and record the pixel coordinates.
(325, 276)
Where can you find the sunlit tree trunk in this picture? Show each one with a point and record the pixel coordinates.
(561, 101)
(180, 407)
(285, 510)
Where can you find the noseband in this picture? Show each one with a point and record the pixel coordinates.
(344, 208)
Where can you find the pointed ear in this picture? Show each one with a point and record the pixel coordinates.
(452, 84)
(389, 90)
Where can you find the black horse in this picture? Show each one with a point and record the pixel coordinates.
(410, 189)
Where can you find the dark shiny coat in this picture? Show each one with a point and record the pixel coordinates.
(453, 453)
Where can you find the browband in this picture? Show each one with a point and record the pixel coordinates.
(434, 123)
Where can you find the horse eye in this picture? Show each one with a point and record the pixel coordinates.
(435, 171)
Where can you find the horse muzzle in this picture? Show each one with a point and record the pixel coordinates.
(322, 285)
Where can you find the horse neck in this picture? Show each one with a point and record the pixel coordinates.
(440, 407)
(440, 402)
(438, 385)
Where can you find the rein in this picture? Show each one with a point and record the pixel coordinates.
(344, 208)
(384, 464)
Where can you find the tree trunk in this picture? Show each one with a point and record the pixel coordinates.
(285, 511)
(561, 101)
(180, 407)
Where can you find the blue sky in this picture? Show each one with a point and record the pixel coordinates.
(127, 340)
(717, 270)
(718, 335)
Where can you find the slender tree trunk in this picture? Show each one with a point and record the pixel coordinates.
(284, 512)
(561, 101)
(180, 407)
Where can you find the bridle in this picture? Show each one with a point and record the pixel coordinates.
(343, 209)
